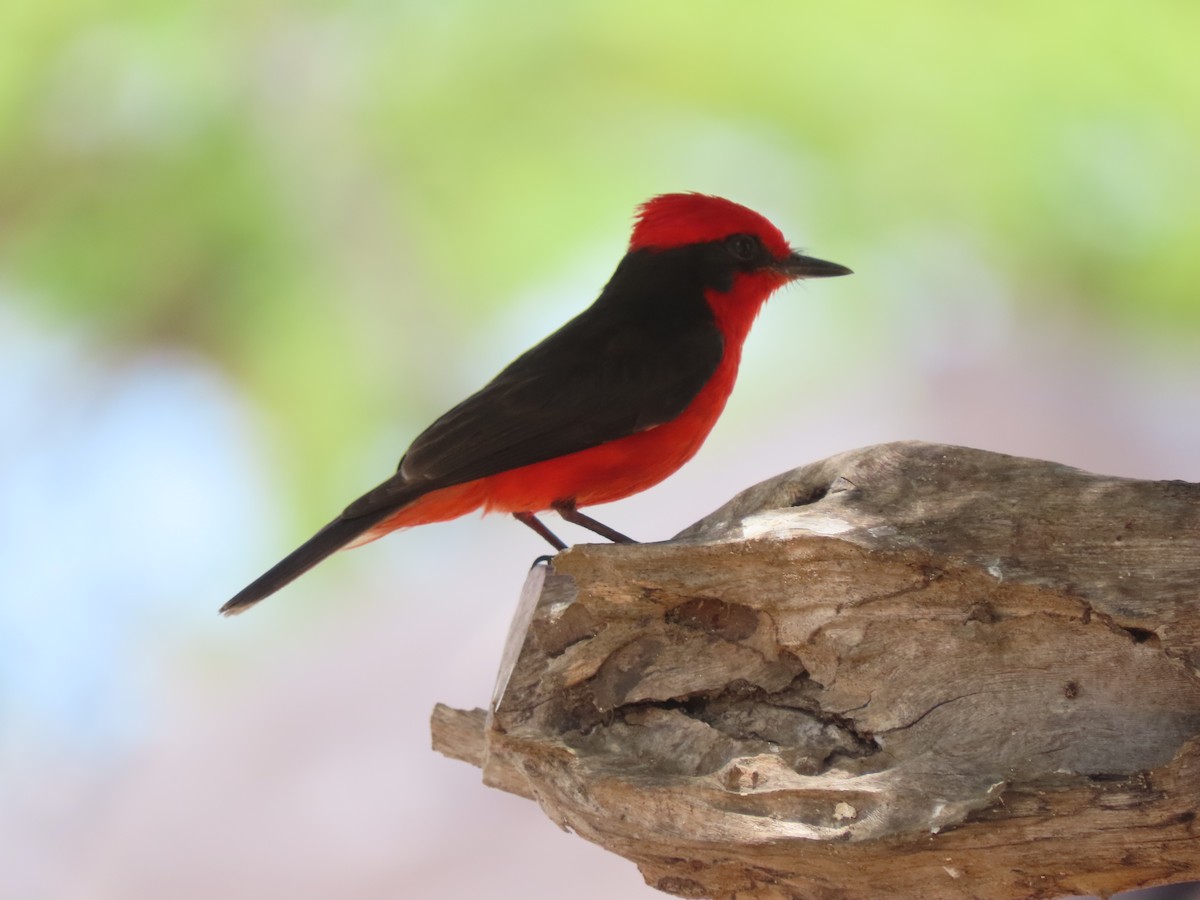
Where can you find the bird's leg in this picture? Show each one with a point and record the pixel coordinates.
(528, 518)
(567, 510)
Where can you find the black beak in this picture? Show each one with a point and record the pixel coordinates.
(797, 266)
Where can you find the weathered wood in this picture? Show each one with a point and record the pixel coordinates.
(906, 671)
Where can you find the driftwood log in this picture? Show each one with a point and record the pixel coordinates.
(911, 670)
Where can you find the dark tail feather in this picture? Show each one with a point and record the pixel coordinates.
(337, 534)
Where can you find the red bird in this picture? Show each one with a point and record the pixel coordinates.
(610, 404)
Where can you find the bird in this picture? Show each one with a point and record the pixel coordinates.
(610, 404)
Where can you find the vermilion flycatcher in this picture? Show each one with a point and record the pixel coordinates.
(609, 405)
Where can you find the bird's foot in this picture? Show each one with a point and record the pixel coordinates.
(528, 518)
(574, 516)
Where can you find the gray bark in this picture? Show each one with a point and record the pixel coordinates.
(910, 670)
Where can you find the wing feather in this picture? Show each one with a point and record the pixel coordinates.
(619, 367)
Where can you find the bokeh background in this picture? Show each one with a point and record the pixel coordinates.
(249, 249)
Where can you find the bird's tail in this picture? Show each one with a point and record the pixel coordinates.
(339, 533)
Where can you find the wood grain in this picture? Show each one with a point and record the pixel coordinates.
(911, 670)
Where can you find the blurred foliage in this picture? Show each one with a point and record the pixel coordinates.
(321, 197)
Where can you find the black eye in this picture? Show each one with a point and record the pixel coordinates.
(744, 247)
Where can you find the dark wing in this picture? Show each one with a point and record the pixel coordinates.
(597, 379)
(633, 360)
(606, 374)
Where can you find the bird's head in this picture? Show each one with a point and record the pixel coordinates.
(743, 258)
(755, 246)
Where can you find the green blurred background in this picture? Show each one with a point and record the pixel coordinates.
(247, 250)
